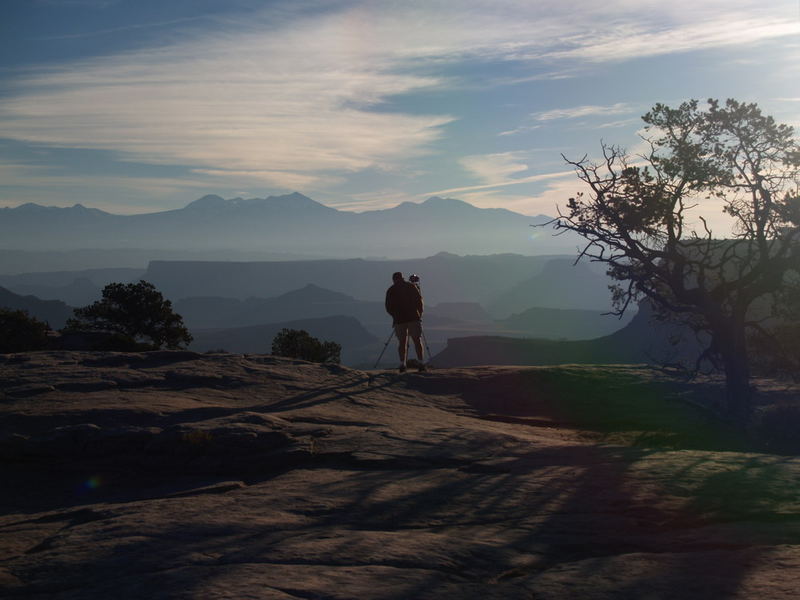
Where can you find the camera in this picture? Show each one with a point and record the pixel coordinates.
(413, 278)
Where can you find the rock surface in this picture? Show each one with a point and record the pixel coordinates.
(181, 475)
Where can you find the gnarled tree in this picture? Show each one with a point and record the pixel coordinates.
(648, 217)
(136, 311)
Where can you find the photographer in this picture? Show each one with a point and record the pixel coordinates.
(404, 304)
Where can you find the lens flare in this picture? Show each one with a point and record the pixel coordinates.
(92, 483)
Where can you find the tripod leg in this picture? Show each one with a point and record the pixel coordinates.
(424, 339)
(389, 339)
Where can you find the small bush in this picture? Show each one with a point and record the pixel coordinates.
(298, 343)
(19, 332)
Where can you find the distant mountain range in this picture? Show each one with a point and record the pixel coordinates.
(309, 302)
(559, 284)
(642, 340)
(442, 321)
(231, 292)
(358, 345)
(248, 325)
(459, 333)
(563, 324)
(15, 262)
(445, 278)
(53, 312)
(530, 296)
(291, 225)
(76, 288)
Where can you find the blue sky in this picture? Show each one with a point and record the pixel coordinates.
(139, 106)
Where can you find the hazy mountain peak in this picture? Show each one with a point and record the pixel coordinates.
(80, 208)
(291, 201)
(433, 202)
(30, 207)
(294, 200)
(403, 205)
(207, 201)
(290, 225)
(297, 196)
(449, 202)
(293, 197)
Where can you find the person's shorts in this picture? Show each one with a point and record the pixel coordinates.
(411, 329)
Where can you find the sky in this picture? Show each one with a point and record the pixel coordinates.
(138, 106)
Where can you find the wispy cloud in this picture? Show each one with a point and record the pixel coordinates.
(376, 200)
(539, 119)
(510, 182)
(289, 180)
(47, 178)
(521, 203)
(620, 123)
(520, 129)
(495, 168)
(270, 104)
(629, 40)
(20, 183)
(544, 202)
(299, 101)
(110, 30)
(581, 111)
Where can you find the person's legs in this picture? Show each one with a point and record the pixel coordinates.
(401, 331)
(418, 348)
(415, 333)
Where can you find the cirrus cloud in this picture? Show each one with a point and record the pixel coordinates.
(297, 97)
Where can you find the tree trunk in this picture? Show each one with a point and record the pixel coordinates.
(738, 392)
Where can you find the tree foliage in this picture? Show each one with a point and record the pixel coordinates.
(19, 332)
(647, 218)
(298, 343)
(776, 346)
(136, 311)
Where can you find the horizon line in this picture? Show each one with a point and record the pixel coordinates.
(336, 208)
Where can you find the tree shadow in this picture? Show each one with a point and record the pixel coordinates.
(432, 534)
(566, 520)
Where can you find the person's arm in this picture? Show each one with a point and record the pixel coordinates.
(389, 304)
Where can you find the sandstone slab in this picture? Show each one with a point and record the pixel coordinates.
(182, 475)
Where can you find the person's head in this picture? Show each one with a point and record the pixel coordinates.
(397, 276)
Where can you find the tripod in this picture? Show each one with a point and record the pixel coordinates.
(415, 280)
(425, 340)
(380, 356)
(389, 339)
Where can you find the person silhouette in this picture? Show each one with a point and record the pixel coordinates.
(404, 304)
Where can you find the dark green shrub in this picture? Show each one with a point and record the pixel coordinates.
(138, 313)
(298, 343)
(19, 332)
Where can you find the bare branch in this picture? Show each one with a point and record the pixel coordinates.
(634, 219)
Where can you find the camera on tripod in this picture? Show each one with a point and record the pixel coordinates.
(415, 281)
